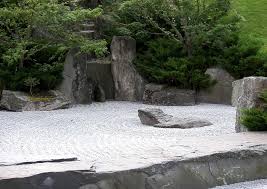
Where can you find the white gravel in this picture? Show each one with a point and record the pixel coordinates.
(258, 184)
(107, 135)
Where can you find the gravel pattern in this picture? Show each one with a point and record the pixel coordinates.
(103, 133)
(258, 184)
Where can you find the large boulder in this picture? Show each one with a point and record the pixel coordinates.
(20, 101)
(82, 73)
(129, 85)
(157, 118)
(152, 116)
(76, 85)
(237, 90)
(168, 96)
(221, 92)
(249, 90)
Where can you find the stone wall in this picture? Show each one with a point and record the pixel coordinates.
(246, 95)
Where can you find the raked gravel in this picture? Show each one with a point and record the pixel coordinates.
(103, 133)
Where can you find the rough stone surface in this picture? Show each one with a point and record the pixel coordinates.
(82, 73)
(129, 85)
(20, 101)
(100, 94)
(99, 72)
(248, 96)
(237, 91)
(184, 123)
(1, 89)
(221, 92)
(150, 89)
(168, 96)
(157, 118)
(152, 116)
(76, 84)
(196, 173)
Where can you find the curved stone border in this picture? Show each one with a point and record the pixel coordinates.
(197, 173)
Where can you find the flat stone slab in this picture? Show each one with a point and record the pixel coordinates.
(184, 123)
(157, 118)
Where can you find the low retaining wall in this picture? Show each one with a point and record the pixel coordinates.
(197, 173)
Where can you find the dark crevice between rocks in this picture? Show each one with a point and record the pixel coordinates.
(43, 161)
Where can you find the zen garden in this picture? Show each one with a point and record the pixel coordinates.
(133, 94)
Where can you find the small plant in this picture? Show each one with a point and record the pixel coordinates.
(31, 82)
(255, 119)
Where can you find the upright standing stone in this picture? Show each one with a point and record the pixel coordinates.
(237, 90)
(129, 85)
(221, 92)
(249, 90)
(76, 85)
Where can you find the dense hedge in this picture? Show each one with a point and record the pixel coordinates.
(255, 119)
(177, 42)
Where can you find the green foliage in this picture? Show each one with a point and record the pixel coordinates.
(255, 119)
(178, 40)
(31, 82)
(35, 36)
(162, 64)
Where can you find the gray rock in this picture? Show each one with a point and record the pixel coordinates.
(157, 118)
(100, 94)
(221, 92)
(237, 90)
(20, 101)
(76, 85)
(150, 89)
(89, 186)
(174, 97)
(129, 85)
(1, 89)
(99, 73)
(152, 116)
(184, 123)
(199, 172)
(48, 183)
(249, 90)
(82, 72)
(168, 96)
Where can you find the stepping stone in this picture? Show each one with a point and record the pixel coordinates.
(157, 118)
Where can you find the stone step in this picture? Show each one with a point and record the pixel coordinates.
(87, 33)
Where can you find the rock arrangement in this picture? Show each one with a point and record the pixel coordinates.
(246, 96)
(83, 74)
(168, 96)
(20, 101)
(157, 118)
